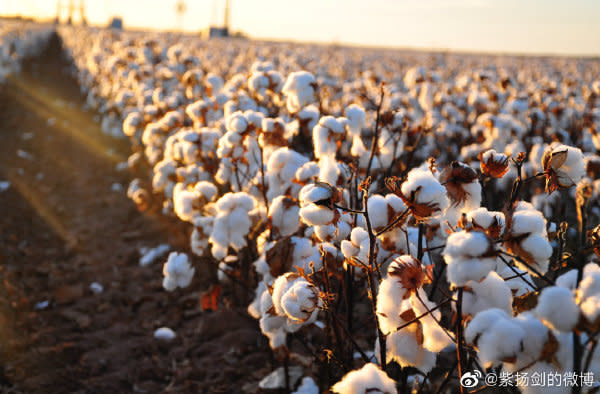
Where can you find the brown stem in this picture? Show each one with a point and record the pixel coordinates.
(372, 288)
(459, 336)
(375, 138)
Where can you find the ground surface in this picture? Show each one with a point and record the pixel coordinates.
(62, 227)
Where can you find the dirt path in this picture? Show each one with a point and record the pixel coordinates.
(63, 225)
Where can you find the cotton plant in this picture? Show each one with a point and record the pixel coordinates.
(400, 301)
(267, 165)
(293, 302)
(231, 223)
(368, 379)
(177, 271)
(527, 237)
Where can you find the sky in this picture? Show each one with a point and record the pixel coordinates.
(568, 27)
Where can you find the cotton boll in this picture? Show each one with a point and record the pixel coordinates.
(536, 336)
(356, 119)
(254, 309)
(296, 299)
(315, 215)
(424, 195)
(307, 172)
(564, 166)
(591, 308)
(538, 249)
(178, 271)
(206, 189)
(203, 227)
(271, 325)
(389, 301)
(299, 89)
(357, 246)
(378, 211)
(469, 255)
(282, 166)
(231, 223)
(556, 305)
(493, 223)
(496, 336)
(528, 238)
(164, 171)
(305, 254)
(568, 280)
(404, 348)
(185, 203)
(526, 219)
(492, 292)
(164, 334)
(365, 380)
(462, 186)
(435, 339)
(590, 283)
(284, 216)
(327, 136)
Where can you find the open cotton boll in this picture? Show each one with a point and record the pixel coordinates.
(527, 219)
(368, 379)
(231, 223)
(164, 334)
(470, 256)
(462, 186)
(206, 189)
(404, 348)
(568, 280)
(389, 304)
(496, 336)
(424, 195)
(186, 203)
(178, 271)
(296, 299)
(357, 246)
(590, 283)
(528, 237)
(305, 253)
(357, 119)
(316, 204)
(492, 292)
(299, 89)
(203, 226)
(536, 336)
(315, 215)
(327, 136)
(284, 216)
(435, 339)
(164, 171)
(254, 309)
(563, 165)
(307, 173)
(282, 166)
(538, 250)
(591, 308)
(493, 223)
(272, 325)
(378, 211)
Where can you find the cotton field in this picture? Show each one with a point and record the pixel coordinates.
(397, 221)
(17, 41)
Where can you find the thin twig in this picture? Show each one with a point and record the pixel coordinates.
(375, 138)
(459, 349)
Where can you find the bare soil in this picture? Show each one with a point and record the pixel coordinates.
(62, 227)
